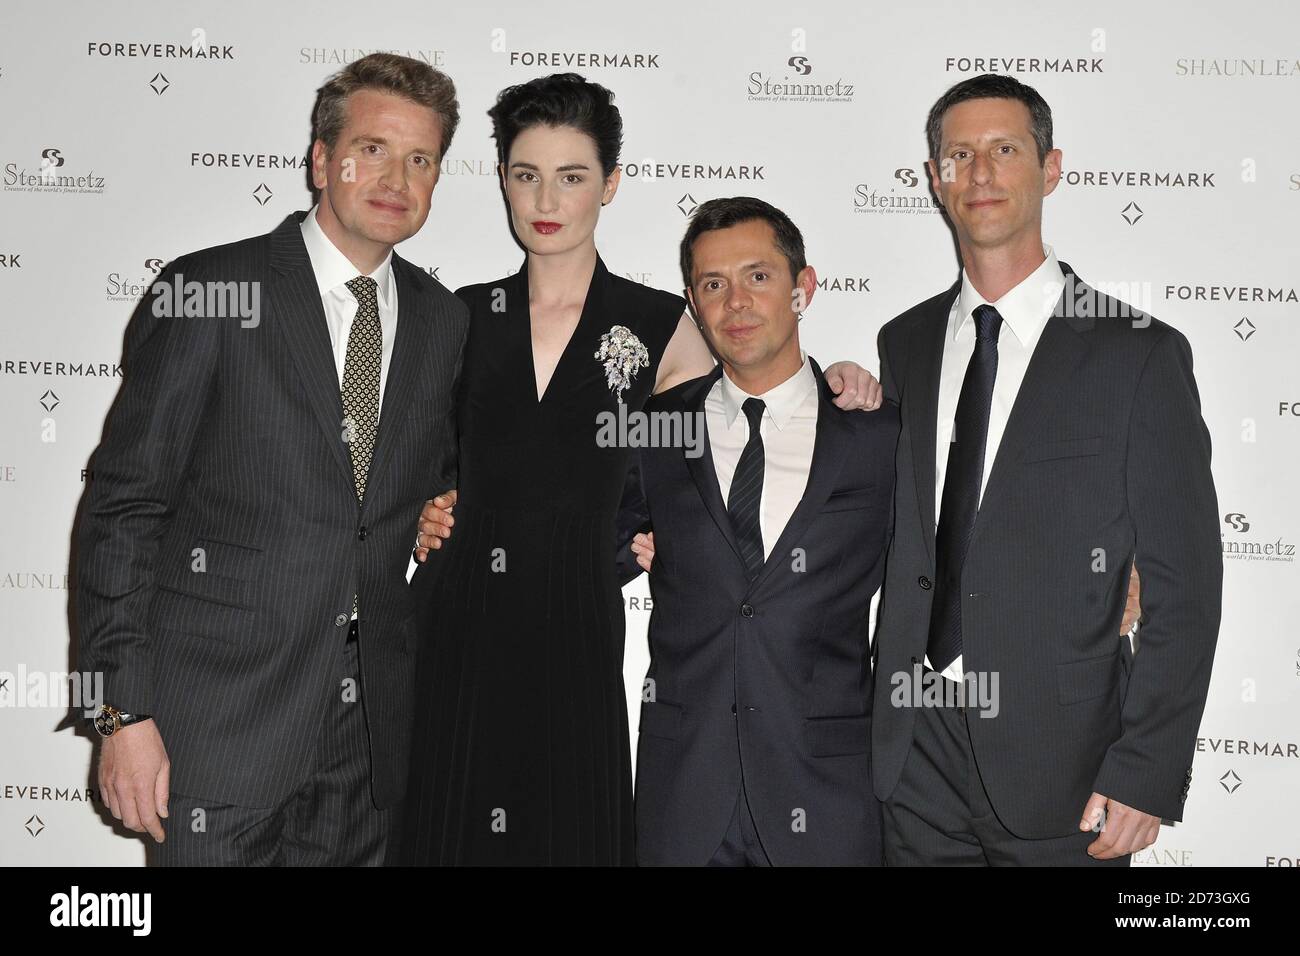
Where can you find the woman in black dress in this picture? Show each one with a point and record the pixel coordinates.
(520, 748)
(520, 751)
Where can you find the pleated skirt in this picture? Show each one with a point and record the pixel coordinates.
(520, 750)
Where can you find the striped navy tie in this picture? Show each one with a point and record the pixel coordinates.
(747, 492)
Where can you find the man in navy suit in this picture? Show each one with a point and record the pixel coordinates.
(755, 723)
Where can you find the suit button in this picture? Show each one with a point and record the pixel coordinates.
(924, 582)
(361, 533)
(733, 710)
(746, 610)
(340, 620)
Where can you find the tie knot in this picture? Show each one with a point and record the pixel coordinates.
(987, 323)
(364, 288)
(753, 412)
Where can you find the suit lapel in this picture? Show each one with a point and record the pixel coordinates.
(1058, 353)
(920, 403)
(414, 324)
(301, 318)
(701, 468)
(829, 451)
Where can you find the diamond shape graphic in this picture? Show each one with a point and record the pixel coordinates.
(159, 83)
(1244, 329)
(1230, 781)
(1132, 213)
(262, 194)
(34, 825)
(49, 401)
(687, 205)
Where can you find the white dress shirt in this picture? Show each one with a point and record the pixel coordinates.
(788, 429)
(1025, 310)
(333, 271)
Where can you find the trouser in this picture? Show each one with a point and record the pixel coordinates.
(331, 820)
(940, 815)
(740, 846)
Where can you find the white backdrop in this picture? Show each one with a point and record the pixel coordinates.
(163, 153)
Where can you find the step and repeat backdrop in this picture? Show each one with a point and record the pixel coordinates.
(131, 133)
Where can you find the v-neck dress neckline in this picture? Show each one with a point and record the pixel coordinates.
(590, 307)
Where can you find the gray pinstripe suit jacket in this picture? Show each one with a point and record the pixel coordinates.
(220, 541)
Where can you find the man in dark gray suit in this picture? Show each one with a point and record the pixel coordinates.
(1049, 433)
(243, 546)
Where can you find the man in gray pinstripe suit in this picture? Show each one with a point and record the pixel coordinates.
(243, 547)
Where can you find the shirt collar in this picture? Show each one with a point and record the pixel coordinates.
(334, 270)
(1025, 308)
(781, 401)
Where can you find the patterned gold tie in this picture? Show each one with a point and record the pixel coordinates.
(361, 382)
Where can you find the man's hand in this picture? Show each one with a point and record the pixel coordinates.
(643, 546)
(1132, 609)
(1123, 828)
(854, 387)
(135, 776)
(435, 523)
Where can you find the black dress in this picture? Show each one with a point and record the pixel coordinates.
(520, 751)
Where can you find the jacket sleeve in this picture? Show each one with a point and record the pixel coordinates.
(447, 472)
(138, 472)
(889, 388)
(633, 518)
(1174, 510)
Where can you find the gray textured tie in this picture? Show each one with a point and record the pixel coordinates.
(361, 383)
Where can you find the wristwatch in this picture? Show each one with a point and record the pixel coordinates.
(109, 720)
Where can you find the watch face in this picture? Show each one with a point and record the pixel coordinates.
(104, 723)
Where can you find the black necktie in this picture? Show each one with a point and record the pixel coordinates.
(961, 488)
(747, 491)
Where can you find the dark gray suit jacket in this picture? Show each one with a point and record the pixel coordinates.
(1104, 455)
(229, 439)
(770, 679)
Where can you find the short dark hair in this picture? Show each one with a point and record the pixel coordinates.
(387, 73)
(998, 87)
(561, 99)
(724, 213)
